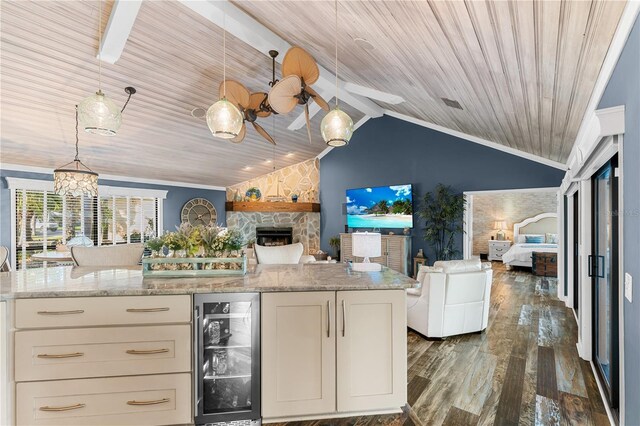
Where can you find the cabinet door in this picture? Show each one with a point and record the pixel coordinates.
(371, 350)
(346, 248)
(298, 353)
(397, 256)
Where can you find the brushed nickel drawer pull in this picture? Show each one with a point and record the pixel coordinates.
(147, 352)
(56, 356)
(77, 311)
(153, 402)
(147, 309)
(62, 408)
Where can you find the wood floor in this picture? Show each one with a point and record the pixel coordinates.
(523, 370)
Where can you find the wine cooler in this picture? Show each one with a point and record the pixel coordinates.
(227, 358)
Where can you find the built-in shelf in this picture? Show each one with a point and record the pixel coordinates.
(271, 207)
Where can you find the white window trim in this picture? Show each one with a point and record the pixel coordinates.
(14, 184)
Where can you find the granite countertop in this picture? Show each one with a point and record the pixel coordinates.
(73, 281)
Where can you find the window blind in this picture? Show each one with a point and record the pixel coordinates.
(44, 219)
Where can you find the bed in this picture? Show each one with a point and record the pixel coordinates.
(520, 253)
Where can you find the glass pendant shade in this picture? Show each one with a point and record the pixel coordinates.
(336, 128)
(75, 179)
(224, 119)
(99, 115)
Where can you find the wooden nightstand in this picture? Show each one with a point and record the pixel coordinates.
(497, 248)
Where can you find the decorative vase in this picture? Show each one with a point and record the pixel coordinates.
(294, 198)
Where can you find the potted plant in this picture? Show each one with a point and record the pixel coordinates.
(443, 213)
(334, 242)
(155, 245)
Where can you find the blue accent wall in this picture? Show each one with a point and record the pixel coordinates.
(624, 89)
(389, 151)
(176, 198)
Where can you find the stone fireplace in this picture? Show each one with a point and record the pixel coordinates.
(305, 226)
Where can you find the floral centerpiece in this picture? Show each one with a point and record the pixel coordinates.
(191, 250)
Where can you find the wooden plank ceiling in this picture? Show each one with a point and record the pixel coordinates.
(173, 58)
(523, 72)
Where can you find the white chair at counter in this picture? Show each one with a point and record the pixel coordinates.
(289, 254)
(4, 259)
(454, 298)
(118, 255)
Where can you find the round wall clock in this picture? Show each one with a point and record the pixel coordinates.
(199, 211)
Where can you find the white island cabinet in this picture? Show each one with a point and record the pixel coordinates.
(328, 354)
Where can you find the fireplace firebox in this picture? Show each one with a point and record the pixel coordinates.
(274, 236)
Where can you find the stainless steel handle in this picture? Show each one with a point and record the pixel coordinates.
(344, 318)
(76, 311)
(147, 309)
(62, 408)
(328, 318)
(151, 402)
(56, 356)
(147, 352)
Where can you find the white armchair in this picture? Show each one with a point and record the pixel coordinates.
(283, 255)
(454, 298)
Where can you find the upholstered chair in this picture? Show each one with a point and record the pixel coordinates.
(454, 298)
(118, 255)
(289, 254)
(4, 259)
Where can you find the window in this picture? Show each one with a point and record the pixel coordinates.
(41, 219)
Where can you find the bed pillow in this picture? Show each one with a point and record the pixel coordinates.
(535, 239)
(551, 238)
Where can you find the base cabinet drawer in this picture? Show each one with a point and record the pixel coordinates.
(94, 311)
(139, 400)
(98, 352)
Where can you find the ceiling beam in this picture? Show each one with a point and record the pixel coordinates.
(256, 35)
(123, 15)
(370, 93)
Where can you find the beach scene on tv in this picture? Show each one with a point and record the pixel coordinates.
(380, 207)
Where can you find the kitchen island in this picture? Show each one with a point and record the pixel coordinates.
(109, 346)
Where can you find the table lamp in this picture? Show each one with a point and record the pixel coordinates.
(500, 225)
(366, 245)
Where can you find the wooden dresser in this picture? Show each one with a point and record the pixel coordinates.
(544, 264)
(396, 252)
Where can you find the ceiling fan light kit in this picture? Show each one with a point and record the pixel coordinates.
(336, 127)
(75, 178)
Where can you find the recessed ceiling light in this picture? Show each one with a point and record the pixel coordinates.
(363, 43)
(247, 168)
(198, 112)
(289, 154)
(267, 161)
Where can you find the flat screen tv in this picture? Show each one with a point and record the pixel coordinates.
(380, 207)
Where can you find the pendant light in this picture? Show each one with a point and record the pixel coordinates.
(75, 178)
(97, 113)
(224, 118)
(336, 126)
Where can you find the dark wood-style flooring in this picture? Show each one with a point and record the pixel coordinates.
(523, 370)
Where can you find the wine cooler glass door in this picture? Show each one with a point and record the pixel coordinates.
(229, 357)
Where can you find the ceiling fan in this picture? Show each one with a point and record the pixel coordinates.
(252, 107)
(299, 72)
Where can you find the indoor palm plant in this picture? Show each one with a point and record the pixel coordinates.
(334, 242)
(443, 213)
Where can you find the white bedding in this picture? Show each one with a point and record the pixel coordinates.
(523, 252)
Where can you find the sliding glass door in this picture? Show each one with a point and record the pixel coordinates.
(603, 268)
